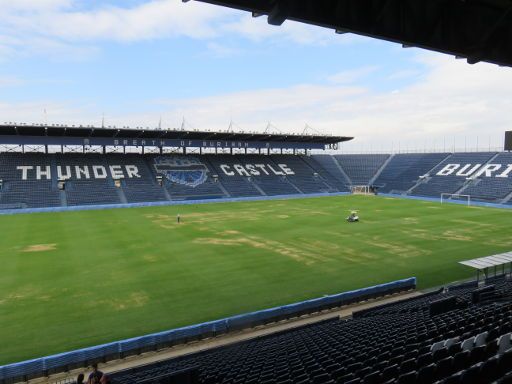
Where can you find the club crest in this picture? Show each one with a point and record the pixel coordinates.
(187, 171)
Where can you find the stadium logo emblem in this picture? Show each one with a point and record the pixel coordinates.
(187, 171)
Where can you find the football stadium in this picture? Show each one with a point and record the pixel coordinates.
(190, 256)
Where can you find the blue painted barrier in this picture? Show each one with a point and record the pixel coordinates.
(231, 200)
(83, 357)
(437, 200)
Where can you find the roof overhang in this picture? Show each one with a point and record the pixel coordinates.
(22, 134)
(475, 30)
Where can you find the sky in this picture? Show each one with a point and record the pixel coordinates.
(137, 63)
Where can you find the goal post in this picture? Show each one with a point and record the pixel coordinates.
(455, 197)
(360, 189)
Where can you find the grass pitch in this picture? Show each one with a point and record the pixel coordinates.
(76, 279)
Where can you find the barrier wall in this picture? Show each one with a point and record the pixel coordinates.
(232, 200)
(84, 357)
(437, 200)
(165, 203)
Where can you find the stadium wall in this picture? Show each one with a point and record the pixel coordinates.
(437, 199)
(64, 362)
(165, 203)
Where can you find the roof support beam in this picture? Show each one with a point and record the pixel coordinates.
(278, 13)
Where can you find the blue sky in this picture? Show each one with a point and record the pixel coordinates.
(138, 61)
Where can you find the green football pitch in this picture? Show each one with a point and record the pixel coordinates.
(77, 279)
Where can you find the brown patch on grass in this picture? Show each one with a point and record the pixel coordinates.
(40, 248)
(170, 222)
(420, 234)
(297, 254)
(399, 249)
(228, 232)
(150, 258)
(411, 220)
(456, 235)
(501, 242)
(28, 292)
(135, 300)
(471, 222)
(356, 255)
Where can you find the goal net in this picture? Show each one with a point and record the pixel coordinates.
(360, 189)
(455, 197)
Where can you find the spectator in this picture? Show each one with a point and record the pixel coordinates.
(105, 380)
(80, 379)
(95, 375)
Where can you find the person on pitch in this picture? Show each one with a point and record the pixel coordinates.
(178, 218)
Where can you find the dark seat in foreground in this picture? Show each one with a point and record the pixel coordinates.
(399, 343)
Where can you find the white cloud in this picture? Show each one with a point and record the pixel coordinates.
(33, 5)
(452, 100)
(154, 19)
(10, 81)
(404, 74)
(352, 75)
(25, 23)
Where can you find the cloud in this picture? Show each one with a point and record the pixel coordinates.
(68, 24)
(10, 81)
(150, 20)
(352, 75)
(451, 101)
(404, 74)
(62, 28)
(33, 5)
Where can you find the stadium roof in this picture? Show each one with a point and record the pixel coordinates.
(489, 261)
(19, 133)
(476, 30)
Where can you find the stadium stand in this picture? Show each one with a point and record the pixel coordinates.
(81, 188)
(270, 183)
(403, 171)
(361, 168)
(235, 185)
(332, 170)
(492, 188)
(31, 180)
(434, 184)
(306, 178)
(26, 193)
(404, 342)
(139, 190)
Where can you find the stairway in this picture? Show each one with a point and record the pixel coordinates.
(379, 171)
(425, 180)
(341, 170)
